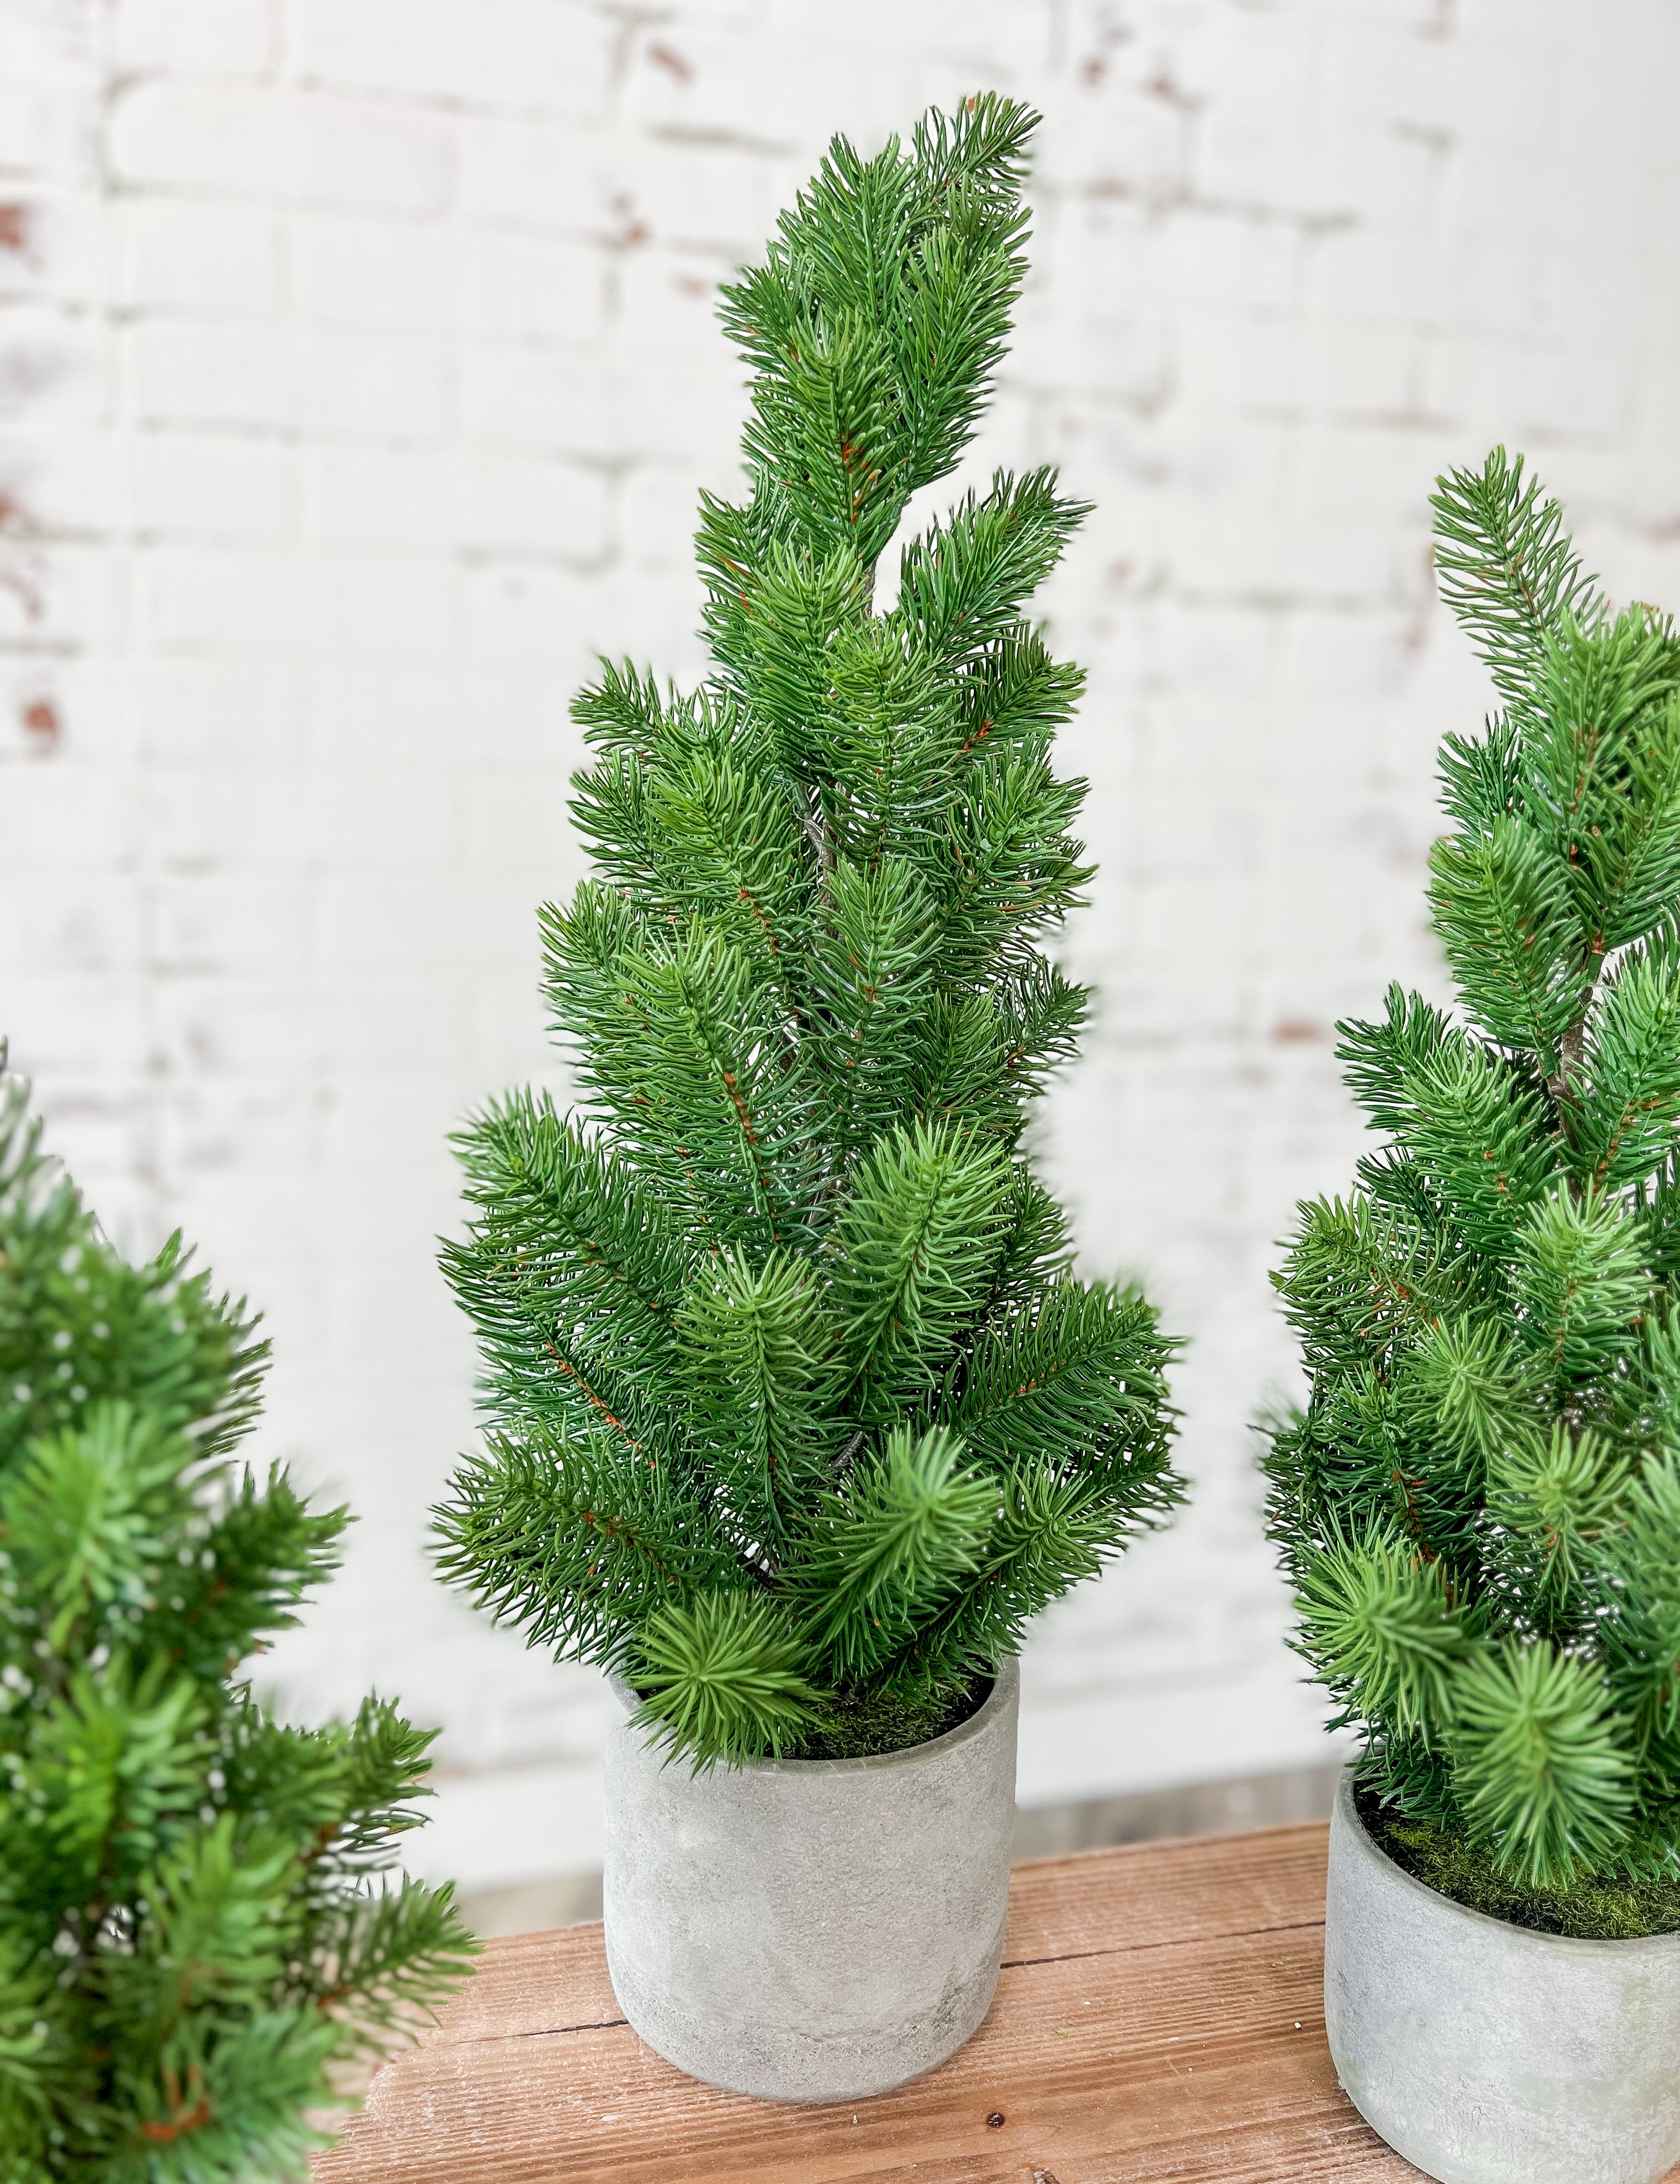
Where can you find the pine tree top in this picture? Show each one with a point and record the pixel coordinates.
(193, 1939)
(1481, 1505)
(795, 1403)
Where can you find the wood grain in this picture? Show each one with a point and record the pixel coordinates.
(1159, 2019)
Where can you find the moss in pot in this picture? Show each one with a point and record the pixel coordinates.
(797, 1412)
(1479, 1507)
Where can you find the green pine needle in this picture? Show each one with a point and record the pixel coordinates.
(893, 1542)
(1538, 1766)
(1379, 1620)
(719, 1679)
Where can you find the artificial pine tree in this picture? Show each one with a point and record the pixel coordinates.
(191, 1940)
(1480, 1506)
(797, 1411)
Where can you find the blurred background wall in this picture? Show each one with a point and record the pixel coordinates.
(358, 373)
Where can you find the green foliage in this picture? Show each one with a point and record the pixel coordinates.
(1385, 1623)
(903, 1530)
(796, 1411)
(720, 1675)
(195, 1937)
(1480, 1505)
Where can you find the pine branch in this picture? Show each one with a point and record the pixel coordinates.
(1356, 1286)
(1012, 688)
(982, 147)
(1469, 1387)
(1641, 1622)
(624, 715)
(233, 2104)
(756, 1357)
(1601, 751)
(883, 1551)
(1580, 1285)
(961, 585)
(913, 1246)
(869, 985)
(1380, 1625)
(1036, 1250)
(1505, 567)
(1049, 1534)
(573, 1544)
(78, 1323)
(684, 1048)
(720, 1679)
(1007, 868)
(1626, 1125)
(1554, 1502)
(562, 1240)
(884, 750)
(1536, 1761)
(874, 325)
(1503, 910)
(1482, 776)
(391, 1959)
(1079, 1377)
(262, 1551)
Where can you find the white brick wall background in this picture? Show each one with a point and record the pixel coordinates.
(357, 371)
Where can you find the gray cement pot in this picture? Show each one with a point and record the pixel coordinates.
(1488, 2055)
(811, 1930)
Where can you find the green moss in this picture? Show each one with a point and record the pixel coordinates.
(1603, 1908)
(870, 1723)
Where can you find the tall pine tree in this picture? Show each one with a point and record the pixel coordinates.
(1480, 1506)
(796, 1411)
(193, 1940)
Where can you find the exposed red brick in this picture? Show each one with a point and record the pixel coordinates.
(41, 718)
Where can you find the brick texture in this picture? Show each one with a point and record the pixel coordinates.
(357, 371)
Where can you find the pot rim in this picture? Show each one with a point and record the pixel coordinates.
(1577, 1944)
(1003, 1687)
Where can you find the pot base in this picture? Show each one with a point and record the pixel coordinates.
(820, 2068)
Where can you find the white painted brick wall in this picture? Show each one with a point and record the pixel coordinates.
(358, 373)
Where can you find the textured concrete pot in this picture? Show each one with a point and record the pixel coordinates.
(1488, 2055)
(811, 1930)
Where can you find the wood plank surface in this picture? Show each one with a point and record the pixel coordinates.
(1159, 2019)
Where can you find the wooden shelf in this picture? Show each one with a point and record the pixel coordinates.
(1159, 2018)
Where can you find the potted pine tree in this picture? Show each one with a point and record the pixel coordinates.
(194, 1936)
(797, 1412)
(1480, 1506)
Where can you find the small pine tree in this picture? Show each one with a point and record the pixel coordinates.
(190, 1943)
(1480, 1506)
(797, 1412)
